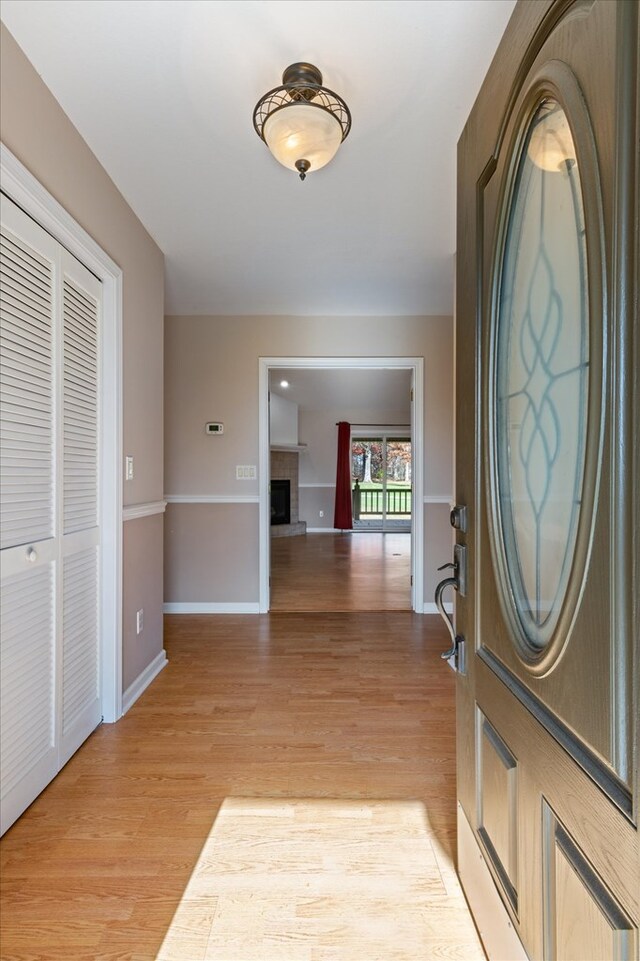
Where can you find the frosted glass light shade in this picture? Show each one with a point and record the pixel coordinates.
(551, 144)
(302, 132)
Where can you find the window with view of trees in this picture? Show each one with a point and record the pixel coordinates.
(381, 482)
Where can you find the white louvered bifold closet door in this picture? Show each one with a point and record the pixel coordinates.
(79, 505)
(49, 534)
(28, 674)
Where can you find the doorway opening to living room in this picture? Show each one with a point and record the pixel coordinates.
(368, 562)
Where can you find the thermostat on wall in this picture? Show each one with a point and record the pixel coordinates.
(213, 428)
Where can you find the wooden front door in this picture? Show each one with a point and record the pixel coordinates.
(548, 411)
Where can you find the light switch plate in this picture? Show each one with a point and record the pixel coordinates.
(246, 472)
(139, 620)
(128, 467)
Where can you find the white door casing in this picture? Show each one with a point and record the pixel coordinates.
(413, 364)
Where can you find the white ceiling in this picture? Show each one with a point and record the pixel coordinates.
(375, 391)
(163, 91)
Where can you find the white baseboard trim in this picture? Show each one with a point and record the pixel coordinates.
(143, 680)
(499, 937)
(211, 607)
(430, 608)
(355, 530)
(212, 498)
(247, 607)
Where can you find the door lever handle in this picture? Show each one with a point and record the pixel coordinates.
(440, 589)
(458, 580)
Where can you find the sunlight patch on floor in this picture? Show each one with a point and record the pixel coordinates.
(322, 880)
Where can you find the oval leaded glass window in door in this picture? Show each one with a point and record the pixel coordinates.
(541, 389)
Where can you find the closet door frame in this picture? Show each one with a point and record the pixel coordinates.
(23, 188)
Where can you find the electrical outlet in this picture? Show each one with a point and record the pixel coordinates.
(320, 513)
(139, 620)
(128, 467)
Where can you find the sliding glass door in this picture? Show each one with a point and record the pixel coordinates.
(381, 481)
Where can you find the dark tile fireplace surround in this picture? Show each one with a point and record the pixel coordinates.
(284, 467)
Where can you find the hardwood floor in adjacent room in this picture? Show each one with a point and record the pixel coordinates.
(359, 571)
(284, 791)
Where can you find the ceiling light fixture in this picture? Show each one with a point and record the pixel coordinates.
(551, 145)
(284, 383)
(302, 122)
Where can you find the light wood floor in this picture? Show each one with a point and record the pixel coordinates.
(351, 711)
(363, 571)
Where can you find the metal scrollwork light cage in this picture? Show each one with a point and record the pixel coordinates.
(302, 122)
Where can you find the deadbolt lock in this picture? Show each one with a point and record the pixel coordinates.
(458, 518)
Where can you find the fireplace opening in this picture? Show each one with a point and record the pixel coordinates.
(280, 502)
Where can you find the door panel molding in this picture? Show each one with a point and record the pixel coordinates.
(594, 766)
(496, 804)
(609, 842)
(555, 13)
(581, 917)
(499, 934)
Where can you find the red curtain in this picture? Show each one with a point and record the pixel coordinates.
(343, 517)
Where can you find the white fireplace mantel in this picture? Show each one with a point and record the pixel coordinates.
(289, 448)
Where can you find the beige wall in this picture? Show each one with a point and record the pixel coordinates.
(283, 420)
(35, 128)
(143, 546)
(316, 499)
(211, 553)
(211, 373)
(438, 547)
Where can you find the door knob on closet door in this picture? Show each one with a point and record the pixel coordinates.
(32, 555)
